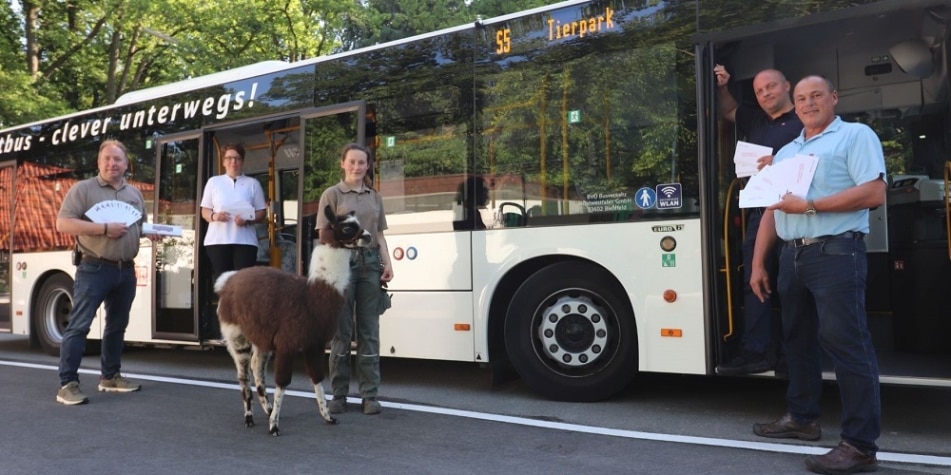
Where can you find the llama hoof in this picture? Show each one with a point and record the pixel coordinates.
(274, 431)
(331, 422)
(248, 422)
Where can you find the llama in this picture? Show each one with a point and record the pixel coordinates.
(263, 309)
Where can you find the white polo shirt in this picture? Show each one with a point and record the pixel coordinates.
(222, 193)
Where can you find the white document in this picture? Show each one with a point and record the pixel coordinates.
(114, 211)
(246, 211)
(793, 175)
(162, 229)
(746, 156)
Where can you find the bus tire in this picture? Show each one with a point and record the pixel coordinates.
(51, 313)
(570, 333)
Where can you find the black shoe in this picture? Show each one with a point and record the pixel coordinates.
(843, 459)
(787, 428)
(745, 362)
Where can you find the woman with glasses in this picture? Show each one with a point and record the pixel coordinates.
(232, 203)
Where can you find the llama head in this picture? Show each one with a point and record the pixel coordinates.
(344, 230)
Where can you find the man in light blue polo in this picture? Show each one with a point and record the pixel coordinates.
(822, 279)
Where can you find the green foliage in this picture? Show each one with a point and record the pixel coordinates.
(89, 52)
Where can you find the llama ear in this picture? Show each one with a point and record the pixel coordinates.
(329, 213)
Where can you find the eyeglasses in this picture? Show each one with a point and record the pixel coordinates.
(232, 157)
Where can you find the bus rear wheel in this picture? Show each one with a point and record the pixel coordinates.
(570, 333)
(51, 313)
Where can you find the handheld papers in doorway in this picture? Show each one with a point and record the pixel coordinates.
(162, 229)
(745, 158)
(793, 175)
(114, 211)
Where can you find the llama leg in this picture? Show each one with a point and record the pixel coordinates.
(259, 365)
(276, 413)
(313, 363)
(240, 352)
(283, 370)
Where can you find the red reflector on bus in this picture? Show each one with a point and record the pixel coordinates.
(670, 296)
(671, 332)
(462, 327)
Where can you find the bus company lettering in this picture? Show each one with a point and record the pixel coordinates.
(582, 27)
(70, 132)
(608, 202)
(219, 107)
(14, 144)
(208, 106)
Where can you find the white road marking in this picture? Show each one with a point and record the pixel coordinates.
(629, 434)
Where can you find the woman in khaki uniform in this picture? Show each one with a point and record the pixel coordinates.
(369, 268)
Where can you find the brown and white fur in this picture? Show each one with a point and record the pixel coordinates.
(262, 309)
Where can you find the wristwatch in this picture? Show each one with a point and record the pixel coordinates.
(810, 208)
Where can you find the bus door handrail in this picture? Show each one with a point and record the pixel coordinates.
(727, 267)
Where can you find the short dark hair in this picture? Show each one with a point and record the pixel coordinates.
(233, 146)
(106, 143)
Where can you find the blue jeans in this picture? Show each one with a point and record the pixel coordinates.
(97, 283)
(822, 287)
(362, 304)
(757, 315)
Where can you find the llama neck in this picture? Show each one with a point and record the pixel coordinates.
(331, 265)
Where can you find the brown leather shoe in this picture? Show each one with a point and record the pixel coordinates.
(842, 460)
(787, 428)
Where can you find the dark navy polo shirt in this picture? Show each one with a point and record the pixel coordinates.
(761, 129)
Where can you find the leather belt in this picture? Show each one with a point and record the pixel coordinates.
(801, 242)
(109, 262)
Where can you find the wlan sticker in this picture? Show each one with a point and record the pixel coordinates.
(669, 196)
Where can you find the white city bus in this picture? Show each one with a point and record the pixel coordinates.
(560, 193)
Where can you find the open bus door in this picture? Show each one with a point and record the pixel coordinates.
(176, 195)
(724, 229)
(888, 62)
(295, 158)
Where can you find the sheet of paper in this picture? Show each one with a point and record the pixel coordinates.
(793, 175)
(757, 199)
(244, 210)
(797, 173)
(746, 156)
(162, 229)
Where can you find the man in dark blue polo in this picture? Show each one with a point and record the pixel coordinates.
(773, 124)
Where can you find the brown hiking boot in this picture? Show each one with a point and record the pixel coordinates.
(787, 428)
(842, 460)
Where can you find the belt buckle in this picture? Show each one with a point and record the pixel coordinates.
(803, 242)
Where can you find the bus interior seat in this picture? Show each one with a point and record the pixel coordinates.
(514, 218)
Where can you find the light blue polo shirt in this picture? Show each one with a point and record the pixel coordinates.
(850, 154)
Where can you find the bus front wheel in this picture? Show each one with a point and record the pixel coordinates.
(570, 333)
(51, 313)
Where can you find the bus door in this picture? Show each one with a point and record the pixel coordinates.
(272, 155)
(719, 187)
(7, 173)
(326, 131)
(176, 203)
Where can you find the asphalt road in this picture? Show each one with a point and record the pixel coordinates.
(438, 417)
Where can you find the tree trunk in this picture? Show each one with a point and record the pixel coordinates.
(31, 13)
